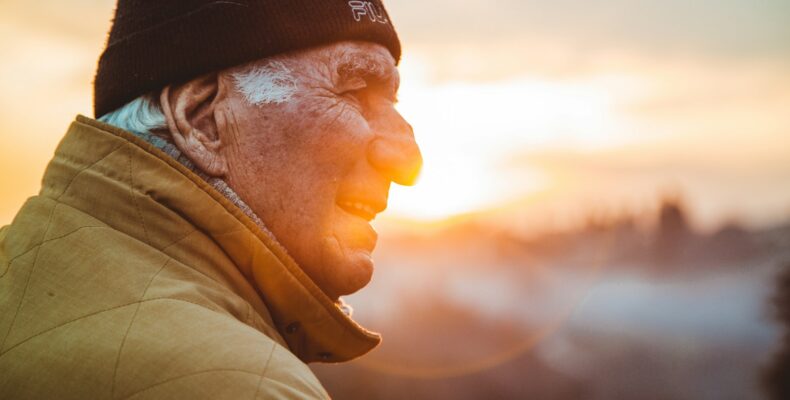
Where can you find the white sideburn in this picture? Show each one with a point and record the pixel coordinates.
(268, 83)
(140, 115)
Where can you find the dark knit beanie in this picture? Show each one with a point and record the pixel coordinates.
(154, 43)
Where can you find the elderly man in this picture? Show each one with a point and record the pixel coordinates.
(195, 243)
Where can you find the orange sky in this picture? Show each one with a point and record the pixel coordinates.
(559, 105)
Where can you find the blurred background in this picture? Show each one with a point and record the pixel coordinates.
(604, 208)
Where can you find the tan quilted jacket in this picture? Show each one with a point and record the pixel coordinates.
(129, 277)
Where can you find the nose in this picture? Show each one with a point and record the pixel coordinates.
(395, 153)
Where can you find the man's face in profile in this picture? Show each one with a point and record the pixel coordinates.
(316, 164)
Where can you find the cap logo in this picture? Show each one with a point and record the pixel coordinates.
(360, 8)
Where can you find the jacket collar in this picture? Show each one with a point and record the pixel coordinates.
(314, 327)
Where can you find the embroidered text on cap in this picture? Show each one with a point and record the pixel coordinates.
(360, 8)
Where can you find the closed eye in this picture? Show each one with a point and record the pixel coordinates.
(354, 98)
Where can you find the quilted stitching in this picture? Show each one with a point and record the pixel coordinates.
(86, 168)
(38, 246)
(263, 373)
(134, 199)
(27, 281)
(175, 378)
(11, 261)
(6, 351)
(129, 327)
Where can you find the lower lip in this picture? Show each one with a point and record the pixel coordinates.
(366, 218)
(373, 235)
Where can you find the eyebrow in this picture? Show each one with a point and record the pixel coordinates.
(369, 67)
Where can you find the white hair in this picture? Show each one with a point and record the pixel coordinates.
(141, 115)
(270, 82)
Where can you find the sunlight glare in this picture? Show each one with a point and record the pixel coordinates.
(467, 131)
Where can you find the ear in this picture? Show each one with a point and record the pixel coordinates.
(189, 110)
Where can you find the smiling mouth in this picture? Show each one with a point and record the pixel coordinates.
(362, 210)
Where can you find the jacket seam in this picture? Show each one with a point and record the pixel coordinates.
(129, 327)
(4, 352)
(27, 281)
(38, 245)
(153, 246)
(78, 173)
(169, 380)
(134, 200)
(263, 373)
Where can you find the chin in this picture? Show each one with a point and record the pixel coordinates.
(351, 271)
(345, 263)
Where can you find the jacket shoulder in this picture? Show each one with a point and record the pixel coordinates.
(198, 353)
(87, 312)
(279, 380)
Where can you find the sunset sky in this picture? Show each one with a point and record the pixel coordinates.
(545, 107)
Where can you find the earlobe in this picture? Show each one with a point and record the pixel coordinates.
(189, 111)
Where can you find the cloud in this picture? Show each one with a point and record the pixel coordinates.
(563, 37)
(739, 27)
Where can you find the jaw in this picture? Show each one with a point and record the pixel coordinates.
(343, 263)
(343, 270)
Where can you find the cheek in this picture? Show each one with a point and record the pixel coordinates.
(329, 137)
(298, 153)
(332, 117)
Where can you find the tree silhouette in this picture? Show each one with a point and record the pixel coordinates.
(672, 232)
(777, 376)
